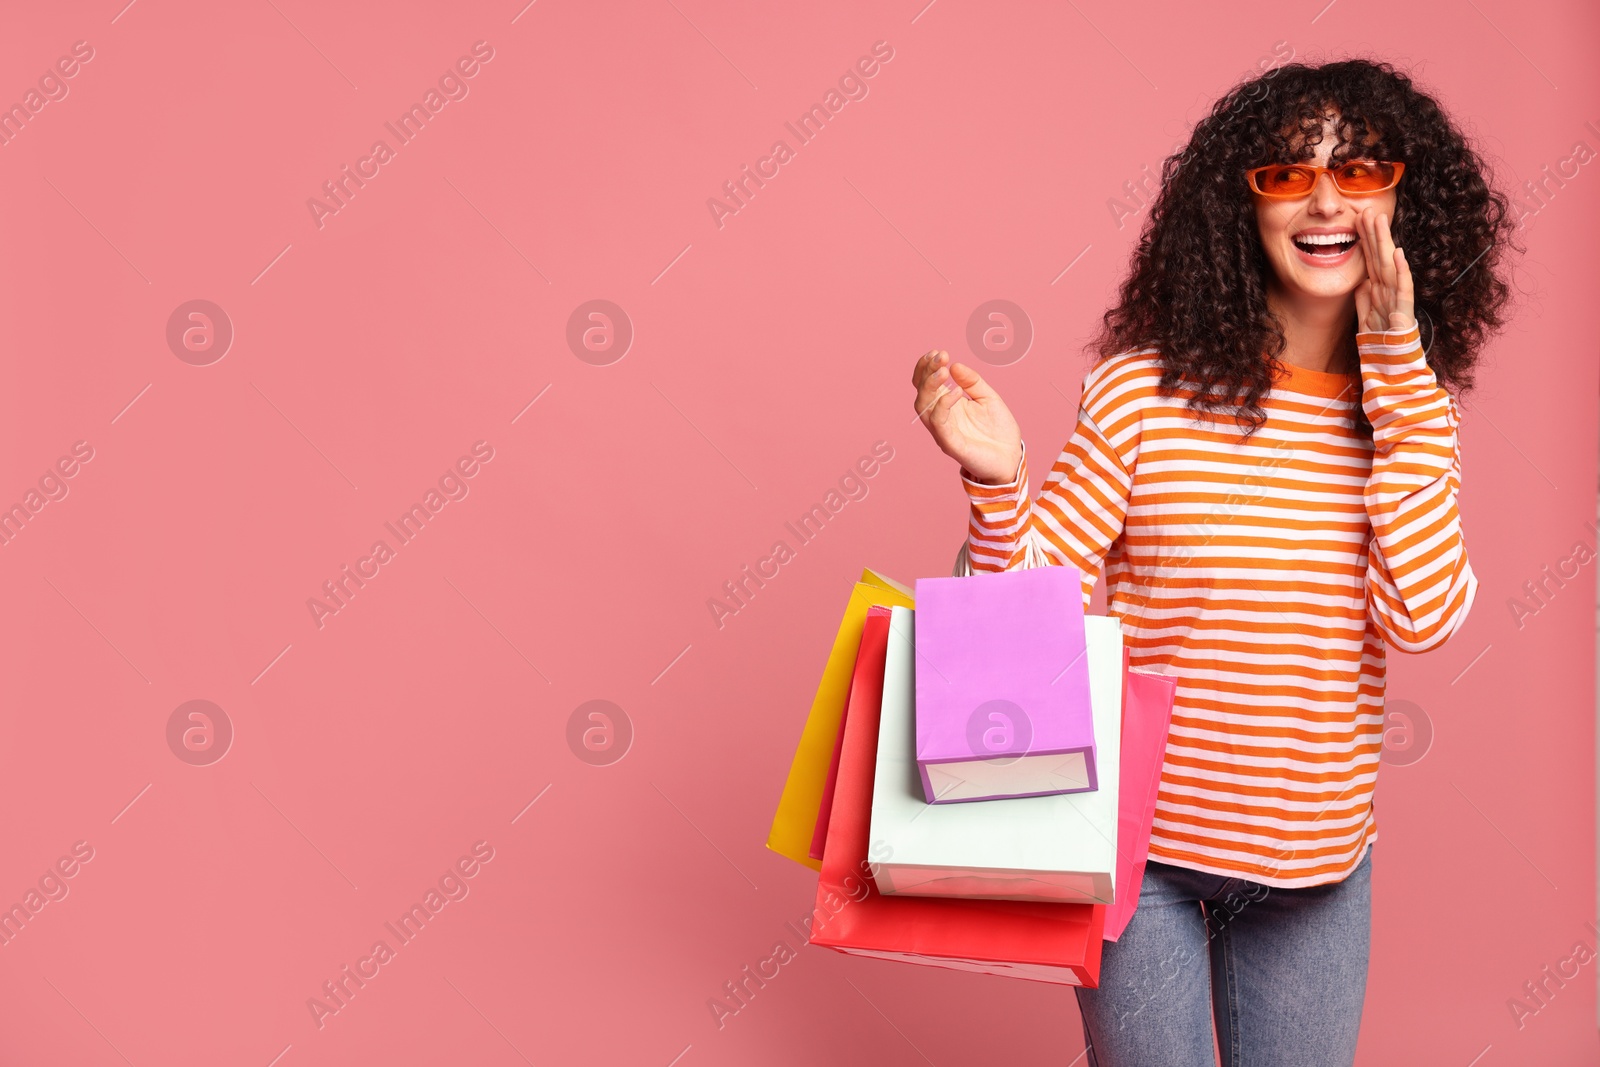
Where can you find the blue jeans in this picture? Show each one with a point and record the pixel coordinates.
(1283, 972)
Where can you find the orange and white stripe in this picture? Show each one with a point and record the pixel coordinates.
(1266, 577)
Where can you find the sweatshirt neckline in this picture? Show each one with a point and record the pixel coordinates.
(1319, 383)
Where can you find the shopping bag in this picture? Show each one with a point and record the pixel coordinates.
(794, 823)
(863, 664)
(1058, 943)
(1146, 718)
(1060, 847)
(1002, 686)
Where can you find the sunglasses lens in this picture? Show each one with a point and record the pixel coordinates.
(1364, 177)
(1286, 181)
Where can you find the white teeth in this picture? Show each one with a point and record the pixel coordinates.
(1325, 238)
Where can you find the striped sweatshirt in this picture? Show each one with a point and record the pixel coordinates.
(1266, 577)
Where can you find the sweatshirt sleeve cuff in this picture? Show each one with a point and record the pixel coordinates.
(980, 493)
(1389, 342)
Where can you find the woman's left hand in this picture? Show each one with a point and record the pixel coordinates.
(1384, 300)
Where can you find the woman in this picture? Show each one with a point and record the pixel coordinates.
(1326, 305)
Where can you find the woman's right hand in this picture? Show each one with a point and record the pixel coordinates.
(968, 420)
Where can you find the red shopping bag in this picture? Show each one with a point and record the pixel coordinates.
(794, 823)
(1146, 718)
(819, 837)
(1038, 941)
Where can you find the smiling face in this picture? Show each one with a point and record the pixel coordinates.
(1311, 242)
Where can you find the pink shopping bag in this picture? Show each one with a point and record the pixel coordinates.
(1146, 718)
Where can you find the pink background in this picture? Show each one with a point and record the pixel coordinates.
(769, 355)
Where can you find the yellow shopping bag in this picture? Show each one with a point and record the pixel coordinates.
(795, 822)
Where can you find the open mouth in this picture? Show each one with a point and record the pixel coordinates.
(1329, 245)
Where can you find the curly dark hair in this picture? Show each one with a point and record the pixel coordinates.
(1197, 289)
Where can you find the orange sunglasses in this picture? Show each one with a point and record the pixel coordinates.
(1290, 181)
